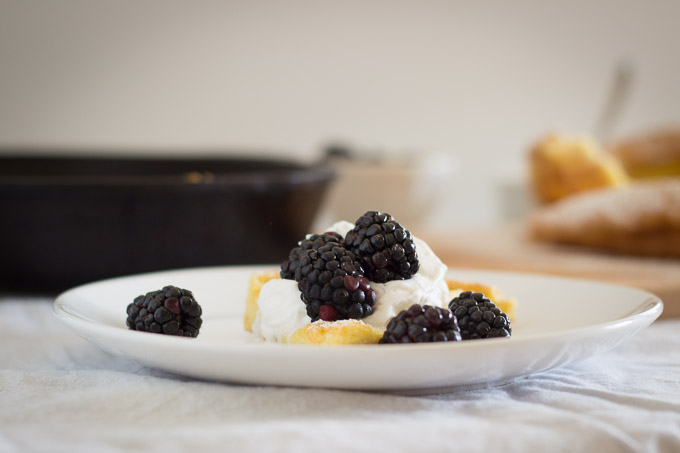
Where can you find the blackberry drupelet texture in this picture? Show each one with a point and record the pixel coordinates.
(422, 324)
(478, 317)
(385, 247)
(333, 285)
(170, 311)
(313, 242)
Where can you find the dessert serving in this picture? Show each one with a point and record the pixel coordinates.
(364, 283)
(369, 282)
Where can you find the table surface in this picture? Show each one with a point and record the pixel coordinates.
(60, 393)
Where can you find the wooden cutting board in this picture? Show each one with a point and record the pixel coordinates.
(508, 248)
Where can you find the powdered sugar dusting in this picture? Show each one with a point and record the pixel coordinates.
(638, 207)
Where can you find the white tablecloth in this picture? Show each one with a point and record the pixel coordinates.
(60, 393)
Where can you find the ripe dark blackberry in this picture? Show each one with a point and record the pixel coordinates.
(332, 284)
(478, 317)
(422, 324)
(312, 242)
(384, 246)
(170, 311)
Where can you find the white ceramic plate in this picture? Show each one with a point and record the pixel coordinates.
(559, 320)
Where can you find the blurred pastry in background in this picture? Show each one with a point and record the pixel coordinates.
(561, 166)
(652, 154)
(641, 218)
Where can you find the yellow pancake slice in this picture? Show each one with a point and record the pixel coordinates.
(347, 331)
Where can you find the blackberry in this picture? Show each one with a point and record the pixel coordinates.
(384, 246)
(171, 311)
(312, 242)
(478, 317)
(332, 284)
(422, 324)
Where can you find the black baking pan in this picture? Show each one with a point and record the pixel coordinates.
(65, 221)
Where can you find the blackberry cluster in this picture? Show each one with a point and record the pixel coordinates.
(384, 246)
(332, 284)
(422, 324)
(170, 311)
(312, 242)
(478, 317)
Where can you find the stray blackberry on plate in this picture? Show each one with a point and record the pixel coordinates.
(170, 311)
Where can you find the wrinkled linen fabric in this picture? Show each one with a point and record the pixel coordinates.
(60, 393)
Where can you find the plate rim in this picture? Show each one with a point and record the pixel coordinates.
(647, 311)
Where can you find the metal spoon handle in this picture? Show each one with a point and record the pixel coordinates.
(615, 101)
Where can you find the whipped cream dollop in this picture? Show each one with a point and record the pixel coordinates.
(281, 311)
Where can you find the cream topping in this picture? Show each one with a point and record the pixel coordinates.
(280, 310)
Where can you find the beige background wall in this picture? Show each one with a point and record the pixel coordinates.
(477, 80)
